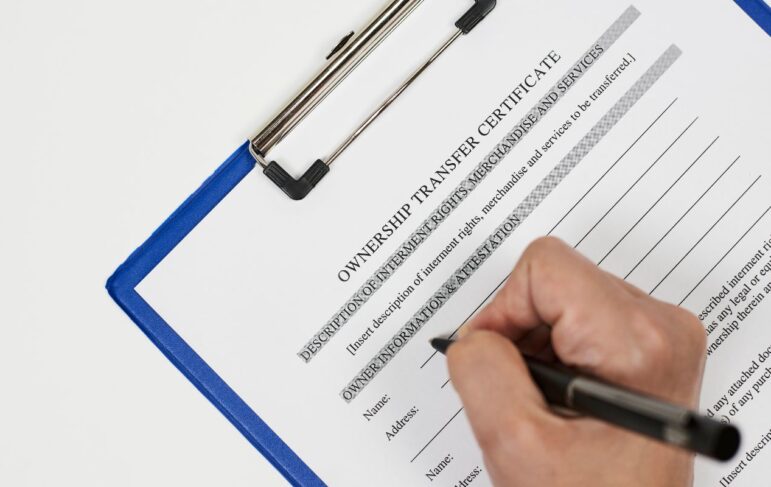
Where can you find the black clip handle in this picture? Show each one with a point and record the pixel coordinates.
(475, 15)
(297, 189)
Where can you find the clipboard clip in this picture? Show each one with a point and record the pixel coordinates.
(343, 59)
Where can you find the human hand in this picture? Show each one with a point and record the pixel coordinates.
(557, 304)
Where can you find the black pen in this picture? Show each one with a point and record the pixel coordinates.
(632, 411)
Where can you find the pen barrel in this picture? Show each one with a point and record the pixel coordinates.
(552, 381)
(653, 418)
(632, 411)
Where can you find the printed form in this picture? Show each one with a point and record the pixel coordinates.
(636, 133)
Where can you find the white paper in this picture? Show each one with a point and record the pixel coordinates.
(261, 274)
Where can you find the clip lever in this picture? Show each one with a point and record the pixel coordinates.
(475, 15)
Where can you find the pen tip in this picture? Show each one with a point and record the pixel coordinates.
(441, 344)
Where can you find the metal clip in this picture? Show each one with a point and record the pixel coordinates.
(343, 59)
(340, 45)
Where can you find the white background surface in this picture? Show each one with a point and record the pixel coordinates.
(111, 113)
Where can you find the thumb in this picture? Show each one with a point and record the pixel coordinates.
(507, 412)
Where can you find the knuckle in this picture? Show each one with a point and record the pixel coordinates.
(569, 338)
(694, 328)
(489, 441)
(457, 355)
(652, 348)
(467, 350)
(543, 247)
(583, 340)
(656, 346)
(700, 338)
(513, 436)
(540, 257)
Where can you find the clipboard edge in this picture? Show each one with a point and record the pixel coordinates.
(121, 286)
(759, 11)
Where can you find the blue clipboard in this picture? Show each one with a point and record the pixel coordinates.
(122, 288)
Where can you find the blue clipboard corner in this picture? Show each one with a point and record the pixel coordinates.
(121, 286)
